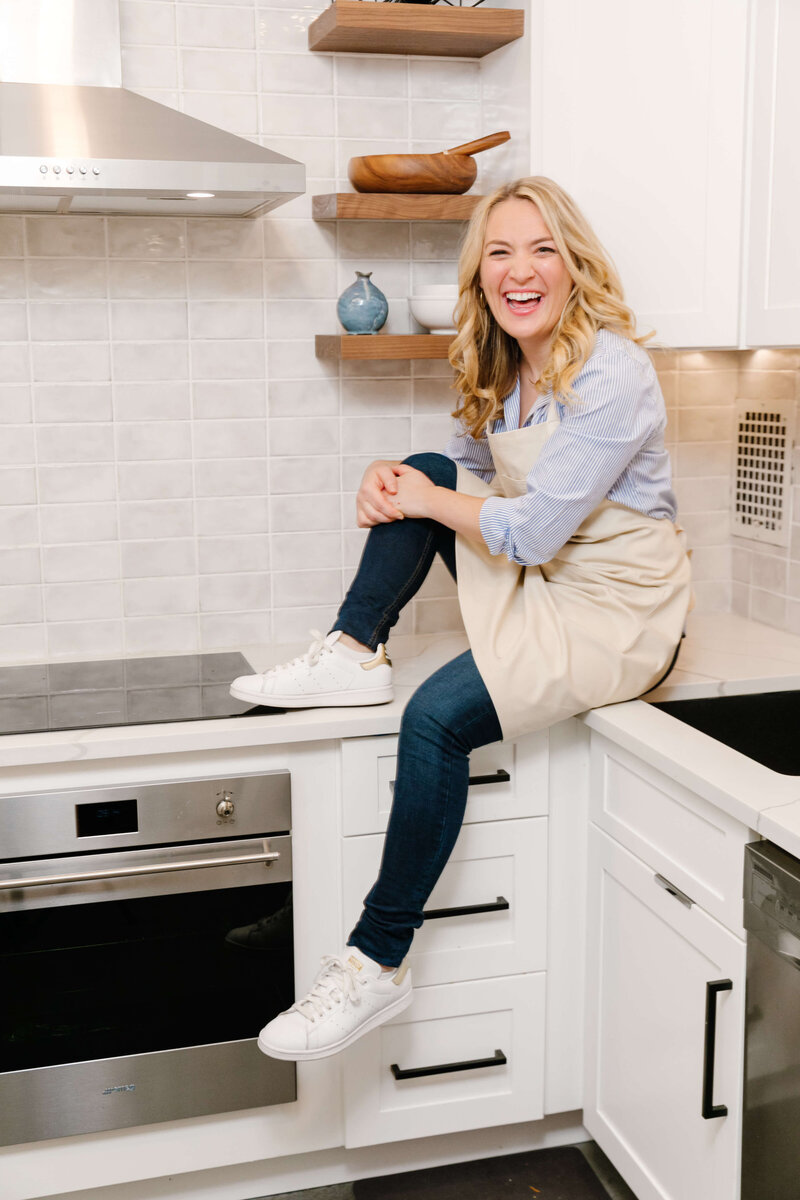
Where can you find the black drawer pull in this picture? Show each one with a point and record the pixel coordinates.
(500, 776)
(710, 1109)
(447, 1068)
(466, 910)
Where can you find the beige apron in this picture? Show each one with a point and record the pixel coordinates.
(596, 624)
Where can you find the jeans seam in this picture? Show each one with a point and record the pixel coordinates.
(399, 600)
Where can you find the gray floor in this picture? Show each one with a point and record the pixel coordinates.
(611, 1180)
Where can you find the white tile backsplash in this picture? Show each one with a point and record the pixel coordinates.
(65, 236)
(64, 277)
(155, 480)
(72, 484)
(11, 237)
(156, 519)
(17, 444)
(17, 486)
(14, 363)
(74, 564)
(213, 71)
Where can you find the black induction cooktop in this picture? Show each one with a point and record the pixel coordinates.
(128, 691)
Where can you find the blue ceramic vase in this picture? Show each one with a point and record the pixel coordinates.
(362, 308)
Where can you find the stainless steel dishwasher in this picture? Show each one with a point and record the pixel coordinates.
(770, 1143)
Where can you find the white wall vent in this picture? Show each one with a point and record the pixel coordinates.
(762, 464)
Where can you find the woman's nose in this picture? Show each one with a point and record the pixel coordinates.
(523, 267)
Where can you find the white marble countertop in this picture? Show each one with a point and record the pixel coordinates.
(722, 655)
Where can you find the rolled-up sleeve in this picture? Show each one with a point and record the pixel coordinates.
(619, 407)
(471, 453)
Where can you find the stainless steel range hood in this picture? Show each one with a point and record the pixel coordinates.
(73, 140)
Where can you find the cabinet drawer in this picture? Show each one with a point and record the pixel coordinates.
(510, 780)
(500, 866)
(687, 840)
(446, 1027)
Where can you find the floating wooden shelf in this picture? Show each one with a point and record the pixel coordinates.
(379, 28)
(382, 345)
(378, 206)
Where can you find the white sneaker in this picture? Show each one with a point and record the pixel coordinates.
(325, 676)
(350, 996)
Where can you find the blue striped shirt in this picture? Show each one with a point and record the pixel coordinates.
(610, 444)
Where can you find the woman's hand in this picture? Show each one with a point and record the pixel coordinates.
(375, 498)
(415, 492)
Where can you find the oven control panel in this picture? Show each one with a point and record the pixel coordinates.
(191, 810)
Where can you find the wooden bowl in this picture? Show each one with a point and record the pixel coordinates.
(449, 172)
(439, 174)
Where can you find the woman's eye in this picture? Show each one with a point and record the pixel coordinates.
(546, 250)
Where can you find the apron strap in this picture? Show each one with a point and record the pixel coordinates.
(673, 660)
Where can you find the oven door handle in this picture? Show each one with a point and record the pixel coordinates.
(266, 856)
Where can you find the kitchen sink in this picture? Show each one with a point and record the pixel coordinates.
(763, 725)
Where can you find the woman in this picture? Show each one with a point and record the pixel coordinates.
(553, 508)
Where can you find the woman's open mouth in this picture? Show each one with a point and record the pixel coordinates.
(522, 302)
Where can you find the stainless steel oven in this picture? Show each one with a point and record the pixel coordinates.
(124, 999)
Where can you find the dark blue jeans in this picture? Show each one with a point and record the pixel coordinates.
(450, 715)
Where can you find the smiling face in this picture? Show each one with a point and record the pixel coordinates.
(524, 278)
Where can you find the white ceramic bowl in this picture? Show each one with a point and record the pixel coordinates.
(432, 306)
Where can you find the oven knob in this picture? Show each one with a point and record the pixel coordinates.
(225, 806)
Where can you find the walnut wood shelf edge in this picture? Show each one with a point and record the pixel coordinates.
(374, 28)
(382, 346)
(382, 206)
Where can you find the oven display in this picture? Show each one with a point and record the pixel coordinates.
(115, 816)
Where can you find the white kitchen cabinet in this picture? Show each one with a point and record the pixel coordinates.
(499, 867)
(507, 780)
(688, 840)
(773, 292)
(642, 111)
(463, 1056)
(481, 980)
(660, 861)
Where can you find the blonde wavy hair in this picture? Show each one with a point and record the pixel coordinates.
(485, 358)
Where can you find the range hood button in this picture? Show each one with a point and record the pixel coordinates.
(82, 170)
(70, 170)
(95, 170)
(43, 169)
(56, 170)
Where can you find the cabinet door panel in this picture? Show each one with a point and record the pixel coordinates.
(643, 122)
(650, 960)
(463, 1022)
(511, 781)
(695, 845)
(503, 859)
(773, 312)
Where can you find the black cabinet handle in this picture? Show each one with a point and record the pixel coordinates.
(500, 776)
(710, 1109)
(433, 914)
(447, 1068)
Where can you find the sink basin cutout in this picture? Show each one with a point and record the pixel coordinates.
(765, 726)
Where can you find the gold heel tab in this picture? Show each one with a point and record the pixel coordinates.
(381, 659)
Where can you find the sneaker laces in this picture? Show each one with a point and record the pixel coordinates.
(311, 657)
(335, 982)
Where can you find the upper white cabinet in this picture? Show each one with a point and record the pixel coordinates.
(773, 292)
(642, 119)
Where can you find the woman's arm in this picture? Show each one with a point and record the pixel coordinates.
(418, 496)
(619, 408)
